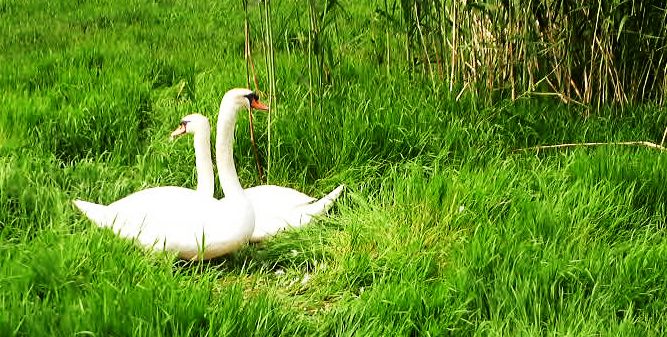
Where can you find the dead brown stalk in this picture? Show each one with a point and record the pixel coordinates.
(557, 146)
(250, 67)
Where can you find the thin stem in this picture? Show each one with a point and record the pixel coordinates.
(270, 58)
(557, 146)
(421, 35)
(260, 170)
(311, 16)
(250, 68)
(250, 65)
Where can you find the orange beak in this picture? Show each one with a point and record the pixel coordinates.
(256, 104)
(178, 132)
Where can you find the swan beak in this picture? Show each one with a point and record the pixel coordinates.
(256, 104)
(178, 132)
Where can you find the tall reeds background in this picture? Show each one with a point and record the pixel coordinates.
(591, 52)
(587, 52)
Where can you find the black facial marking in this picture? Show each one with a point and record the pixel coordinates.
(252, 97)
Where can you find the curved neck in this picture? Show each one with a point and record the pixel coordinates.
(203, 162)
(224, 150)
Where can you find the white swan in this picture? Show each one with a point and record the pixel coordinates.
(183, 220)
(276, 207)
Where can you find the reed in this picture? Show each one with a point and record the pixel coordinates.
(251, 74)
(271, 78)
(267, 43)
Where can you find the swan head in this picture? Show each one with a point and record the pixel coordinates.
(193, 123)
(242, 98)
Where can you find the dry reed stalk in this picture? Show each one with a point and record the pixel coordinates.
(454, 47)
(664, 134)
(421, 36)
(557, 146)
(270, 64)
(250, 67)
(311, 32)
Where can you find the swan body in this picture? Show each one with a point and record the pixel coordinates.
(278, 208)
(191, 223)
(176, 219)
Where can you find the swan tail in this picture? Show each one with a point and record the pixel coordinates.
(99, 214)
(322, 205)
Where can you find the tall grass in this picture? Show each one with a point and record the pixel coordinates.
(322, 22)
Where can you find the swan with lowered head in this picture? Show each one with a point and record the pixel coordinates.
(194, 225)
(276, 208)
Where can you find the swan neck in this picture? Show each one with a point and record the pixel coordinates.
(203, 162)
(224, 147)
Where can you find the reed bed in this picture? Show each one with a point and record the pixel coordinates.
(589, 52)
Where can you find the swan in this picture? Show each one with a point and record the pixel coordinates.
(276, 208)
(186, 221)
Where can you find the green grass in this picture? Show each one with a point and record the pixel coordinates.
(443, 230)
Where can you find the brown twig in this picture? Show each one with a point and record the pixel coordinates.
(260, 170)
(250, 67)
(635, 143)
(249, 63)
(664, 134)
(421, 35)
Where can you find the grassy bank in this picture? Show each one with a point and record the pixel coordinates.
(444, 229)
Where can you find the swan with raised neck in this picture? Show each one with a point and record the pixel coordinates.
(224, 143)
